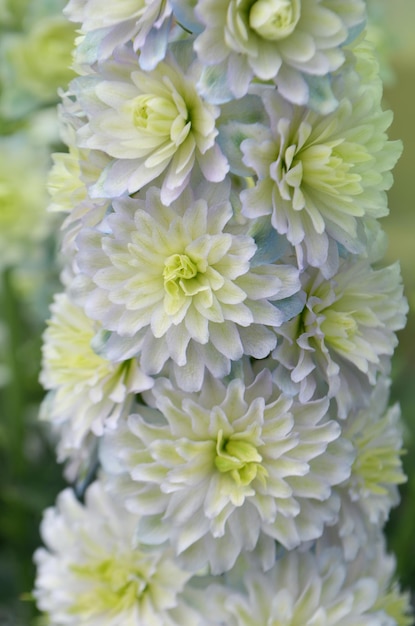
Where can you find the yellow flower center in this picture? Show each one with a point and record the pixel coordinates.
(114, 584)
(274, 19)
(339, 329)
(240, 458)
(182, 280)
(154, 114)
(69, 358)
(329, 169)
(178, 269)
(377, 466)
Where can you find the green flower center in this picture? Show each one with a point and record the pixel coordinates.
(377, 466)
(178, 269)
(329, 169)
(274, 19)
(239, 458)
(111, 585)
(73, 358)
(154, 114)
(339, 329)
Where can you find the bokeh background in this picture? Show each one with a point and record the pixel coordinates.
(34, 51)
(400, 226)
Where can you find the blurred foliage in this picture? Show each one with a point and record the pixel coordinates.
(398, 18)
(400, 226)
(30, 477)
(33, 35)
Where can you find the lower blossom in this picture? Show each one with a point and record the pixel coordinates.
(93, 571)
(232, 467)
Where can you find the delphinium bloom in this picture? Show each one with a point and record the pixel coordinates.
(346, 333)
(314, 587)
(179, 283)
(72, 175)
(93, 570)
(372, 488)
(105, 26)
(69, 179)
(376, 433)
(286, 41)
(149, 123)
(234, 466)
(320, 176)
(227, 170)
(88, 393)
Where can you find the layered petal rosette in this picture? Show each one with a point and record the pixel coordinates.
(230, 468)
(93, 571)
(88, 393)
(314, 587)
(376, 433)
(149, 123)
(106, 26)
(286, 41)
(181, 284)
(69, 179)
(372, 489)
(320, 176)
(345, 335)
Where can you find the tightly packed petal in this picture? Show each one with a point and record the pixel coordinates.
(345, 334)
(376, 433)
(286, 41)
(320, 176)
(106, 26)
(88, 392)
(217, 472)
(93, 570)
(149, 123)
(314, 588)
(179, 283)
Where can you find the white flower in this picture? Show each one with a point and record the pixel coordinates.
(111, 24)
(71, 174)
(377, 469)
(317, 587)
(345, 335)
(218, 472)
(94, 572)
(88, 392)
(320, 176)
(177, 283)
(372, 489)
(286, 41)
(150, 123)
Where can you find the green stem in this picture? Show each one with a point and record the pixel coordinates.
(14, 392)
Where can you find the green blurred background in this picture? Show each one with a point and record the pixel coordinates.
(29, 476)
(400, 227)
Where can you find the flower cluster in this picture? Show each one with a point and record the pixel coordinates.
(89, 392)
(224, 338)
(108, 576)
(237, 462)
